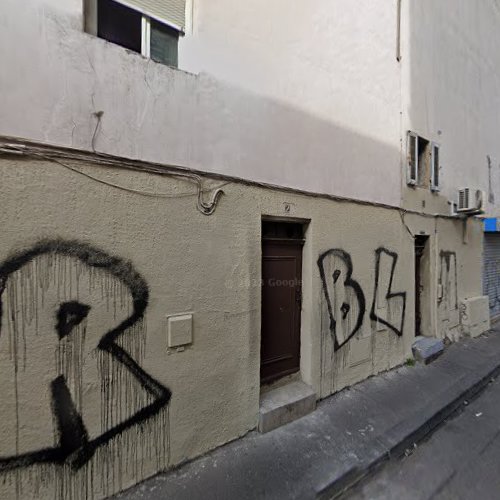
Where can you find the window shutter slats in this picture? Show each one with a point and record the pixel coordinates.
(435, 167)
(412, 159)
(173, 12)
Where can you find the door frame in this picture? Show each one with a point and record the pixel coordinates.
(429, 278)
(305, 357)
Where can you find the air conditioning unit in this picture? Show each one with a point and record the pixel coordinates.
(471, 201)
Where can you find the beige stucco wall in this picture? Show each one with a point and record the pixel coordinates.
(209, 266)
(450, 279)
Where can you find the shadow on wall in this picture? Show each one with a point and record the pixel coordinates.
(265, 140)
(91, 93)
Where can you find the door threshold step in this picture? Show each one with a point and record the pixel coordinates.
(285, 404)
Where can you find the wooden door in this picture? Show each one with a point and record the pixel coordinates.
(281, 305)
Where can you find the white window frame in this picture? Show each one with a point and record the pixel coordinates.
(412, 180)
(434, 186)
(189, 20)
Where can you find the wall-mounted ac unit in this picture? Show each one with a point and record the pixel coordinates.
(471, 201)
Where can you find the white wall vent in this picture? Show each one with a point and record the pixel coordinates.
(475, 315)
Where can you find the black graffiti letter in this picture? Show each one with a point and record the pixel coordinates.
(389, 296)
(345, 299)
(74, 445)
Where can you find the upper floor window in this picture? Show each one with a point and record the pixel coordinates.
(149, 27)
(423, 162)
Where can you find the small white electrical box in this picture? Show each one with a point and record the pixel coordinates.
(475, 315)
(179, 330)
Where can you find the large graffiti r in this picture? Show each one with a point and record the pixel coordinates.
(33, 289)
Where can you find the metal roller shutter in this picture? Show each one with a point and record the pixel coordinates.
(170, 11)
(491, 271)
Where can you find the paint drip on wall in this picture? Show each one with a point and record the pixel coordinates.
(81, 417)
(344, 307)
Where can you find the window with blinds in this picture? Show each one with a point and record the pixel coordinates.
(149, 27)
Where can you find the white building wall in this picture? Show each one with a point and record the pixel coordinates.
(304, 96)
(451, 73)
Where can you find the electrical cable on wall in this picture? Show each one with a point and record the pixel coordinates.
(402, 214)
(205, 207)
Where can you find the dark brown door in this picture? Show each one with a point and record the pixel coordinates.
(420, 242)
(281, 304)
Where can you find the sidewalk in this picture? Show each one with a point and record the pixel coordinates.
(350, 432)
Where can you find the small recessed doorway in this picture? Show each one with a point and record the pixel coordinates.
(282, 244)
(421, 285)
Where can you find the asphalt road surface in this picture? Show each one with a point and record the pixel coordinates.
(461, 460)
